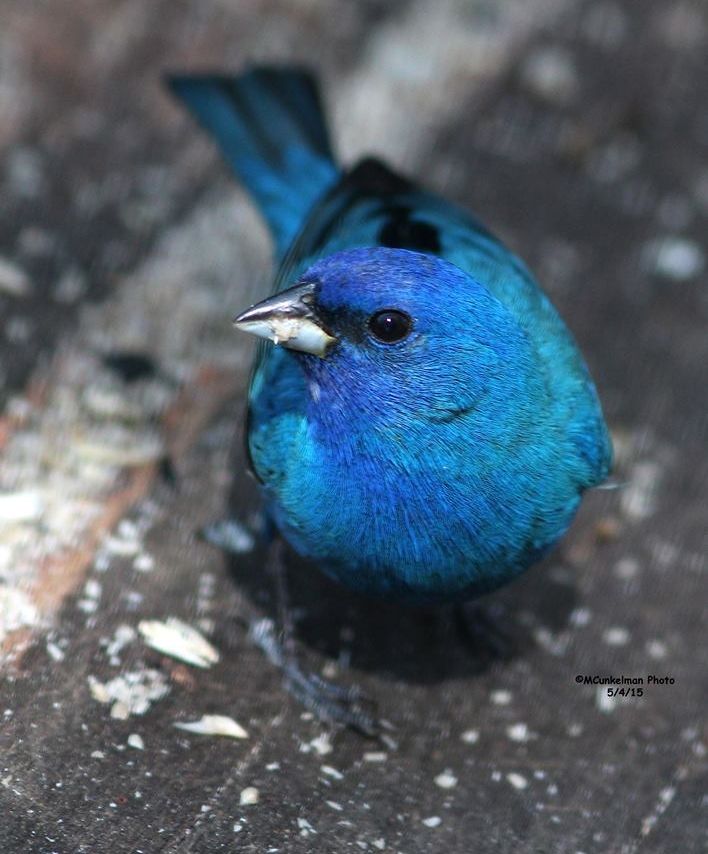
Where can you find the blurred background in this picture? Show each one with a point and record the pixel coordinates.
(577, 130)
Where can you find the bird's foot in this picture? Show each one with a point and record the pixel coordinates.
(332, 703)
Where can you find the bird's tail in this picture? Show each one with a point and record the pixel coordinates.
(271, 129)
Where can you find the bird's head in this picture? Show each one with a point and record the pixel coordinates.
(396, 336)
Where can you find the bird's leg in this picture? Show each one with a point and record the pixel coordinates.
(480, 627)
(327, 700)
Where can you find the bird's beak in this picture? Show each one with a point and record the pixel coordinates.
(288, 318)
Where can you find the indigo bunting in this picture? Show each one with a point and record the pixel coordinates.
(426, 426)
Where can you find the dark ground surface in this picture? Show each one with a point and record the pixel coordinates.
(578, 131)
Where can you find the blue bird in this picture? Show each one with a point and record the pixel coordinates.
(427, 426)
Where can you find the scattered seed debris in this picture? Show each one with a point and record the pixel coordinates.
(518, 732)
(321, 744)
(21, 506)
(306, 829)
(130, 693)
(144, 563)
(249, 796)
(616, 636)
(446, 780)
(121, 547)
(334, 805)
(518, 781)
(136, 741)
(179, 640)
(375, 756)
(54, 651)
(70, 286)
(13, 279)
(432, 821)
(88, 606)
(332, 772)
(604, 702)
(17, 611)
(674, 257)
(214, 725)
(639, 497)
(93, 589)
(550, 74)
(666, 795)
(501, 697)
(580, 617)
(627, 568)
(657, 650)
(123, 635)
(113, 445)
(230, 536)
(470, 736)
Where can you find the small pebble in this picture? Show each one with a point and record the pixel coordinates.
(501, 697)
(432, 821)
(470, 736)
(136, 741)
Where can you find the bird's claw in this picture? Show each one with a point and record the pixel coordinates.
(333, 703)
(330, 702)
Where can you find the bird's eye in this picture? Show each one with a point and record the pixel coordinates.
(390, 325)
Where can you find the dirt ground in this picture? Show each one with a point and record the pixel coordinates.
(578, 131)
